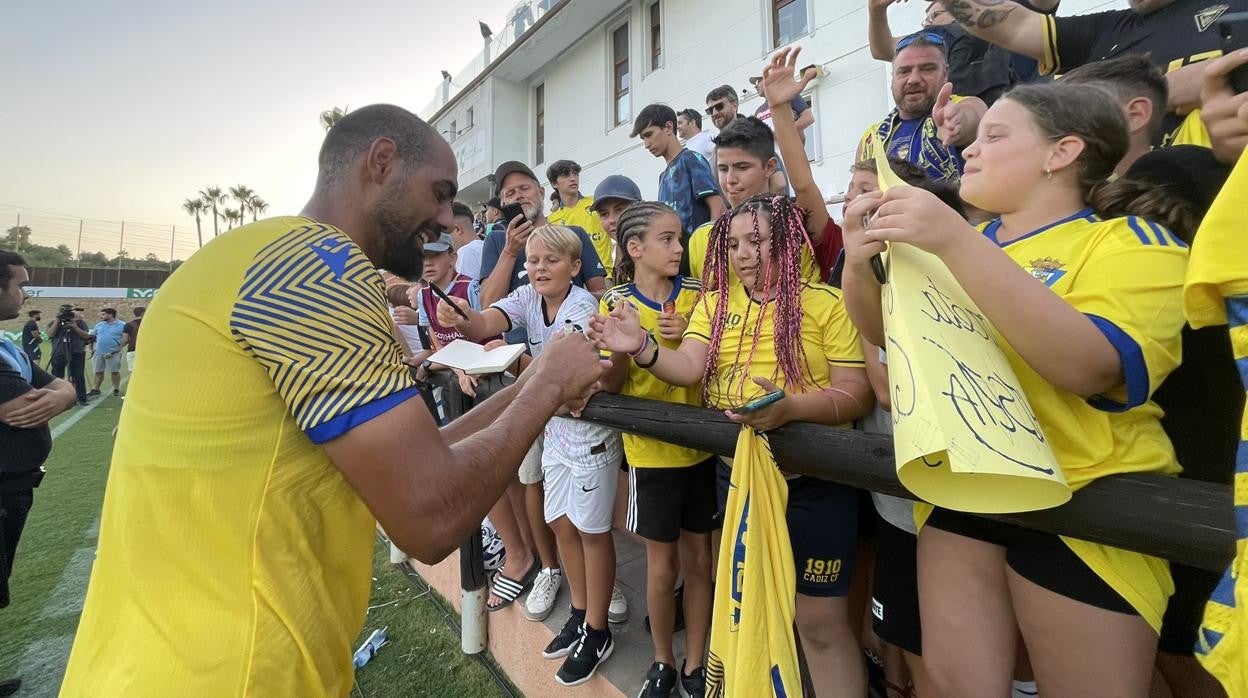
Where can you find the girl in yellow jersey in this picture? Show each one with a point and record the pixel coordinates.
(1090, 311)
(671, 498)
(761, 329)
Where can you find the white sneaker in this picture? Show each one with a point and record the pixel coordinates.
(617, 612)
(541, 599)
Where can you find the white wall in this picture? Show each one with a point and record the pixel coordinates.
(706, 43)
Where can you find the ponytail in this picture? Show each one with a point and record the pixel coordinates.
(1132, 197)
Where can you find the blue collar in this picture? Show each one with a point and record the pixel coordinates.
(990, 231)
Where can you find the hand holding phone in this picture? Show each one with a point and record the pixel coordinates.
(759, 403)
(1233, 28)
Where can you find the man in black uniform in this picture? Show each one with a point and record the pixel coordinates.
(1174, 33)
(29, 398)
(69, 335)
(32, 340)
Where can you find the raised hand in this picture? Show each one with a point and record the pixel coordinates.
(1225, 113)
(620, 331)
(779, 84)
(518, 234)
(956, 122)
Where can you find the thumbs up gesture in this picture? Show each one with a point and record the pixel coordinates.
(957, 122)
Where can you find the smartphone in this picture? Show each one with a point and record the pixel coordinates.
(510, 211)
(1234, 30)
(760, 403)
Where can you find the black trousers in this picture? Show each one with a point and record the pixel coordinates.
(14, 506)
(77, 364)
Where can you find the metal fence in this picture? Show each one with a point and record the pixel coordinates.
(97, 277)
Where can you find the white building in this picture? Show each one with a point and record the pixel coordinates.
(562, 79)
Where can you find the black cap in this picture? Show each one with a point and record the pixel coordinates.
(508, 168)
(495, 203)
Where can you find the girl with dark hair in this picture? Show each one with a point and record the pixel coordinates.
(671, 502)
(1089, 311)
(754, 332)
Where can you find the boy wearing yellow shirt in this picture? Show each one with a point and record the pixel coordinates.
(578, 210)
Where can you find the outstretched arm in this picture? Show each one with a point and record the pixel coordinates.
(1002, 22)
(879, 35)
(781, 87)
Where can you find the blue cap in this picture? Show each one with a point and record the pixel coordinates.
(616, 187)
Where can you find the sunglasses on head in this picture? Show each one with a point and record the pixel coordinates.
(929, 37)
(716, 107)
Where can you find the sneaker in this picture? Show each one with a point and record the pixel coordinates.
(10, 686)
(617, 612)
(567, 638)
(116, 392)
(492, 545)
(693, 685)
(83, 403)
(591, 650)
(541, 600)
(660, 681)
(93, 393)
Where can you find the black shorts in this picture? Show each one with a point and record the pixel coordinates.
(662, 502)
(895, 588)
(1192, 589)
(1040, 558)
(823, 530)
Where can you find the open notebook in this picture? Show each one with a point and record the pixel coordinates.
(473, 359)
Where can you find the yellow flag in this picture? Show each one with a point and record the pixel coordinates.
(1216, 293)
(964, 436)
(753, 652)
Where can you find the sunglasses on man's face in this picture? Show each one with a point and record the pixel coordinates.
(715, 108)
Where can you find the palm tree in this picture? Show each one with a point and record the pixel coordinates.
(333, 116)
(257, 206)
(195, 207)
(242, 195)
(213, 198)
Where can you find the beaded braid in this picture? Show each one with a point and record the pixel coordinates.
(634, 222)
(781, 273)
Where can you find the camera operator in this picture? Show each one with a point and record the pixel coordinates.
(29, 398)
(69, 336)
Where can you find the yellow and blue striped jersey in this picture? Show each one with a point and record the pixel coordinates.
(233, 556)
(1126, 276)
(1217, 294)
(645, 452)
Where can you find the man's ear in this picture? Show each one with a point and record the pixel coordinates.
(381, 160)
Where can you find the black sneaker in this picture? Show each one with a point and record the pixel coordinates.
(660, 681)
(83, 403)
(593, 648)
(9, 687)
(93, 393)
(693, 685)
(116, 392)
(562, 645)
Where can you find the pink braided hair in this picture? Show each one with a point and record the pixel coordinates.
(781, 279)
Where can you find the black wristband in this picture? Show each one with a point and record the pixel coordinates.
(654, 358)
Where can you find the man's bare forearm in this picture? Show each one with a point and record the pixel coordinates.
(484, 462)
(1001, 22)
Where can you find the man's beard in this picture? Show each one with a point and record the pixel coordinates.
(398, 238)
(923, 108)
(534, 211)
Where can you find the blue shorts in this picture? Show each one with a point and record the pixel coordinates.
(823, 530)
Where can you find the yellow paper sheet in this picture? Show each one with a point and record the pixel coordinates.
(964, 435)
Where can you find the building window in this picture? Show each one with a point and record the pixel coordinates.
(452, 134)
(656, 36)
(539, 121)
(620, 78)
(470, 120)
(789, 20)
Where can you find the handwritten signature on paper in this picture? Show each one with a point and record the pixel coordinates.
(945, 311)
(901, 375)
(991, 408)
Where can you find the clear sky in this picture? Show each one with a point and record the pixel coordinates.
(121, 110)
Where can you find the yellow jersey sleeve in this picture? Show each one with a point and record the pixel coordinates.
(698, 244)
(700, 319)
(839, 337)
(312, 312)
(1217, 269)
(1130, 285)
